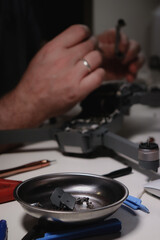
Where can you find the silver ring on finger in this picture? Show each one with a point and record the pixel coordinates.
(86, 64)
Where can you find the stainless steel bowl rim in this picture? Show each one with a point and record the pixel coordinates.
(69, 174)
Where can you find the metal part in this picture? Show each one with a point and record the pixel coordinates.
(25, 168)
(148, 155)
(106, 195)
(121, 23)
(56, 197)
(62, 200)
(85, 199)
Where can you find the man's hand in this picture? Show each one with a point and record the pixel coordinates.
(56, 80)
(120, 68)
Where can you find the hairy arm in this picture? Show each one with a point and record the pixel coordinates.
(55, 80)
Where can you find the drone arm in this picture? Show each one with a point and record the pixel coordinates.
(149, 98)
(121, 145)
(147, 154)
(27, 135)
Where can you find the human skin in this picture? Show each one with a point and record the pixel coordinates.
(116, 68)
(56, 78)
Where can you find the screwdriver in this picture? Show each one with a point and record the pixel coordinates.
(121, 23)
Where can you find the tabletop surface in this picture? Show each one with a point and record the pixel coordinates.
(142, 122)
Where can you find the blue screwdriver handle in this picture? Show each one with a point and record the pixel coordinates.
(3, 230)
(106, 227)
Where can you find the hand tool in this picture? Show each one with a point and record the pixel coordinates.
(106, 227)
(3, 230)
(135, 203)
(121, 23)
(25, 168)
(60, 231)
(119, 173)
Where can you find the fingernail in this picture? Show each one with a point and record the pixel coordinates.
(86, 27)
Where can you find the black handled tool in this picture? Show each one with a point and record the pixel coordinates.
(121, 23)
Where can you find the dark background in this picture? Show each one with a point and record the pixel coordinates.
(26, 24)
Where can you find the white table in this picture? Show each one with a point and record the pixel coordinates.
(141, 123)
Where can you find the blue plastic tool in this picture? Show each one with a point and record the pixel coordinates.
(106, 227)
(3, 230)
(135, 203)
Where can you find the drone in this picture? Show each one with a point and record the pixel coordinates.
(96, 125)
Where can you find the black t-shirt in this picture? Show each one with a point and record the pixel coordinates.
(24, 25)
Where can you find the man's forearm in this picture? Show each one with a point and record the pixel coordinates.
(16, 111)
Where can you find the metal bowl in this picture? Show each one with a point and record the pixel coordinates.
(106, 195)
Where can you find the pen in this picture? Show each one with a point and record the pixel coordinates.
(3, 230)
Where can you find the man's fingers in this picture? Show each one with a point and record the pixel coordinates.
(108, 40)
(88, 64)
(130, 77)
(83, 48)
(109, 49)
(124, 43)
(137, 64)
(91, 82)
(134, 67)
(133, 51)
(72, 36)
